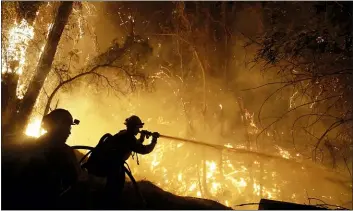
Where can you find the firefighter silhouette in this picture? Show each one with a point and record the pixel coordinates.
(111, 153)
(53, 172)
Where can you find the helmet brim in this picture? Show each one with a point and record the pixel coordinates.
(135, 125)
(140, 125)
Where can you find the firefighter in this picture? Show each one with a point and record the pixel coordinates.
(111, 155)
(54, 166)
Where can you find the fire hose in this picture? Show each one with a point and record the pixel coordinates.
(126, 170)
(207, 144)
(191, 141)
(220, 147)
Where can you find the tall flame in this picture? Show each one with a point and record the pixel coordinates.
(19, 37)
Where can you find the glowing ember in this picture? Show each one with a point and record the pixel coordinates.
(20, 91)
(212, 165)
(192, 187)
(154, 162)
(50, 25)
(228, 145)
(256, 189)
(242, 183)
(198, 194)
(250, 118)
(227, 203)
(180, 177)
(180, 145)
(284, 153)
(269, 195)
(215, 187)
(291, 100)
(79, 22)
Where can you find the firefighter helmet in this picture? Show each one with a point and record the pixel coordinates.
(134, 121)
(58, 117)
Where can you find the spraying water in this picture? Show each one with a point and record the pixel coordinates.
(236, 155)
(221, 147)
(232, 150)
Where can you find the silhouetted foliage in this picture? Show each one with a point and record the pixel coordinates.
(310, 46)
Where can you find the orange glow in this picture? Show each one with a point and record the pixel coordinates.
(19, 36)
(34, 128)
(188, 169)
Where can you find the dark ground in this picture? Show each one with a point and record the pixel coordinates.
(25, 191)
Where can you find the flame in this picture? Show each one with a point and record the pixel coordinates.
(19, 37)
(256, 189)
(215, 187)
(50, 25)
(154, 162)
(284, 153)
(250, 118)
(20, 91)
(185, 181)
(292, 99)
(192, 187)
(317, 97)
(180, 177)
(14, 56)
(198, 194)
(228, 145)
(79, 22)
(226, 203)
(218, 178)
(34, 128)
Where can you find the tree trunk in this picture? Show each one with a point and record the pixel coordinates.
(9, 82)
(44, 65)
(9, 102)
(226, 54)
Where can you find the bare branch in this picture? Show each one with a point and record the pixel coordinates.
(315, 101)
(332, 126)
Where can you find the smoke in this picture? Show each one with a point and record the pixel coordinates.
(181, 167)
(176, 103)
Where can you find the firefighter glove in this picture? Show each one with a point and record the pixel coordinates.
(155, 135)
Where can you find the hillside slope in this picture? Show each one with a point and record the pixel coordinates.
(29, 191)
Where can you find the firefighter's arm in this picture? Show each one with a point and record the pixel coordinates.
(145, 149)
(142, 137)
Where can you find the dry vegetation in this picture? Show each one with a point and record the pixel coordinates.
(244, 75)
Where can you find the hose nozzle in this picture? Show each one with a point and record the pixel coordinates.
(146, 133)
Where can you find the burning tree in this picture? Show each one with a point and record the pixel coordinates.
(57, 67)
(199, 69)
